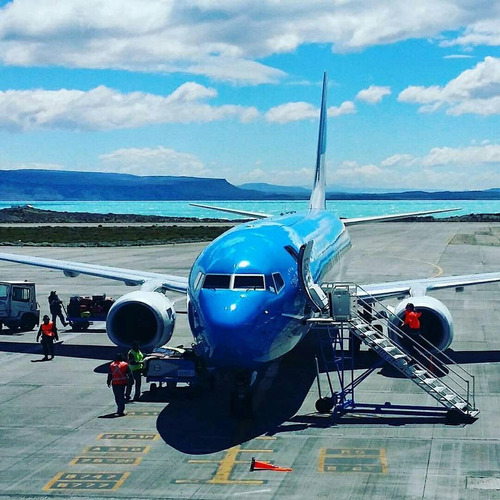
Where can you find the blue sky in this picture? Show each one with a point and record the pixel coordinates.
(226, 88)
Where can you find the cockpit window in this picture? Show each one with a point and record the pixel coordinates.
(278, 282)
(247, 281)
(217, 281)
(234, 281)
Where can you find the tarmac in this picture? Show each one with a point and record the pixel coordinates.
(58, 436)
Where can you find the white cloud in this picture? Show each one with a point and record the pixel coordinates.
(346, 108)
(472, 156)
(223, 39)
(292, 111)
(458, 56)
(373, 94)
(404, 160)
(296, 111)
(443, 168)
(103, 108)
(153, 161)
(475, 91)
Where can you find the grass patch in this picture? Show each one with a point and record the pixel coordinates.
(107, 236)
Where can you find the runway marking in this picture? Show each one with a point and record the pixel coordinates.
(84, 460)
(225, 468)
(146, 436)
(102, 481)
(439, 270)
(117, 449)
(98, 455)
(143, 413)
(353, 460)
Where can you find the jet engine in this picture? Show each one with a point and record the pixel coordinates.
(145, 317)
(436, 323)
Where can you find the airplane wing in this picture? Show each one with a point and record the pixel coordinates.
(382, 218)
(128, 276)
(417, 287)
(245, 213)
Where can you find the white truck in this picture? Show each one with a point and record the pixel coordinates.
(18, 306)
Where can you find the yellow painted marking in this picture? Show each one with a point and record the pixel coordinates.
(129, 435)
(383, 460)
(352, 460)
(117, 449)
(223, 473)
(143, 413)
(81, 460)
(273, 438)
(321, 463)
(109, 481)
(256, 451)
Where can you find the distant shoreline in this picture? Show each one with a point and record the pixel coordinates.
(28, 226)
(31, 215)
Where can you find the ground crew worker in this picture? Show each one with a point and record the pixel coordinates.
(411, 325)
(48, 332)
(118, 377)
(136, 363)
(55, 305)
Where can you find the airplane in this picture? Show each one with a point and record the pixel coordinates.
(252, 289)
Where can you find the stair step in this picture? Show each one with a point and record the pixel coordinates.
(438, 388)
(429, 381)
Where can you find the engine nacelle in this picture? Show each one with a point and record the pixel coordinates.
(436, 323)
(147, 318)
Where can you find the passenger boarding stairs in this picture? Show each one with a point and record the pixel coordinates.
(454, 391)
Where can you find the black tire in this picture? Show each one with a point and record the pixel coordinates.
(324, 405)
(27, 323)
(153, 387)
(1, 325)
(171, 385)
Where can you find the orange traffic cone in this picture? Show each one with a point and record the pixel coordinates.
(257, 465)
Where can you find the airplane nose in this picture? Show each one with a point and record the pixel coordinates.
(232, 325)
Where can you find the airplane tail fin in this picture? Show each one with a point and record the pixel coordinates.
(318, 196)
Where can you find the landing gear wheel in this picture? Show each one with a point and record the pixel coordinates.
(27, 323)
(325, 405)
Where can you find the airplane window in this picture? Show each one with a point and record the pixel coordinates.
(278, 282)
(249, 281)
(217, 281)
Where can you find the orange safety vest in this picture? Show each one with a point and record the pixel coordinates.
(119, 372)
(47, 329)
(411, 319)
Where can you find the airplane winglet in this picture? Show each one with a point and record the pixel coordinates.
(318, 197)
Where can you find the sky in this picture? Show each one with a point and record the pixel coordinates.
(231, 89)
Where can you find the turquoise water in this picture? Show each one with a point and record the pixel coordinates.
(357, 208)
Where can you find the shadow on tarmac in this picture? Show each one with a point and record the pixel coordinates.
(61, 349)
(204, 424)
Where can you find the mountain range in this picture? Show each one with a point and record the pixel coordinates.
(45, 185)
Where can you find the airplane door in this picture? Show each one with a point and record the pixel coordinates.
(315, 295)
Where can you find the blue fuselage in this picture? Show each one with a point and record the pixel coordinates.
(246, 303)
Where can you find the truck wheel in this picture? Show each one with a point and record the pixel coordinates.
(1, 325)
(28, 322)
